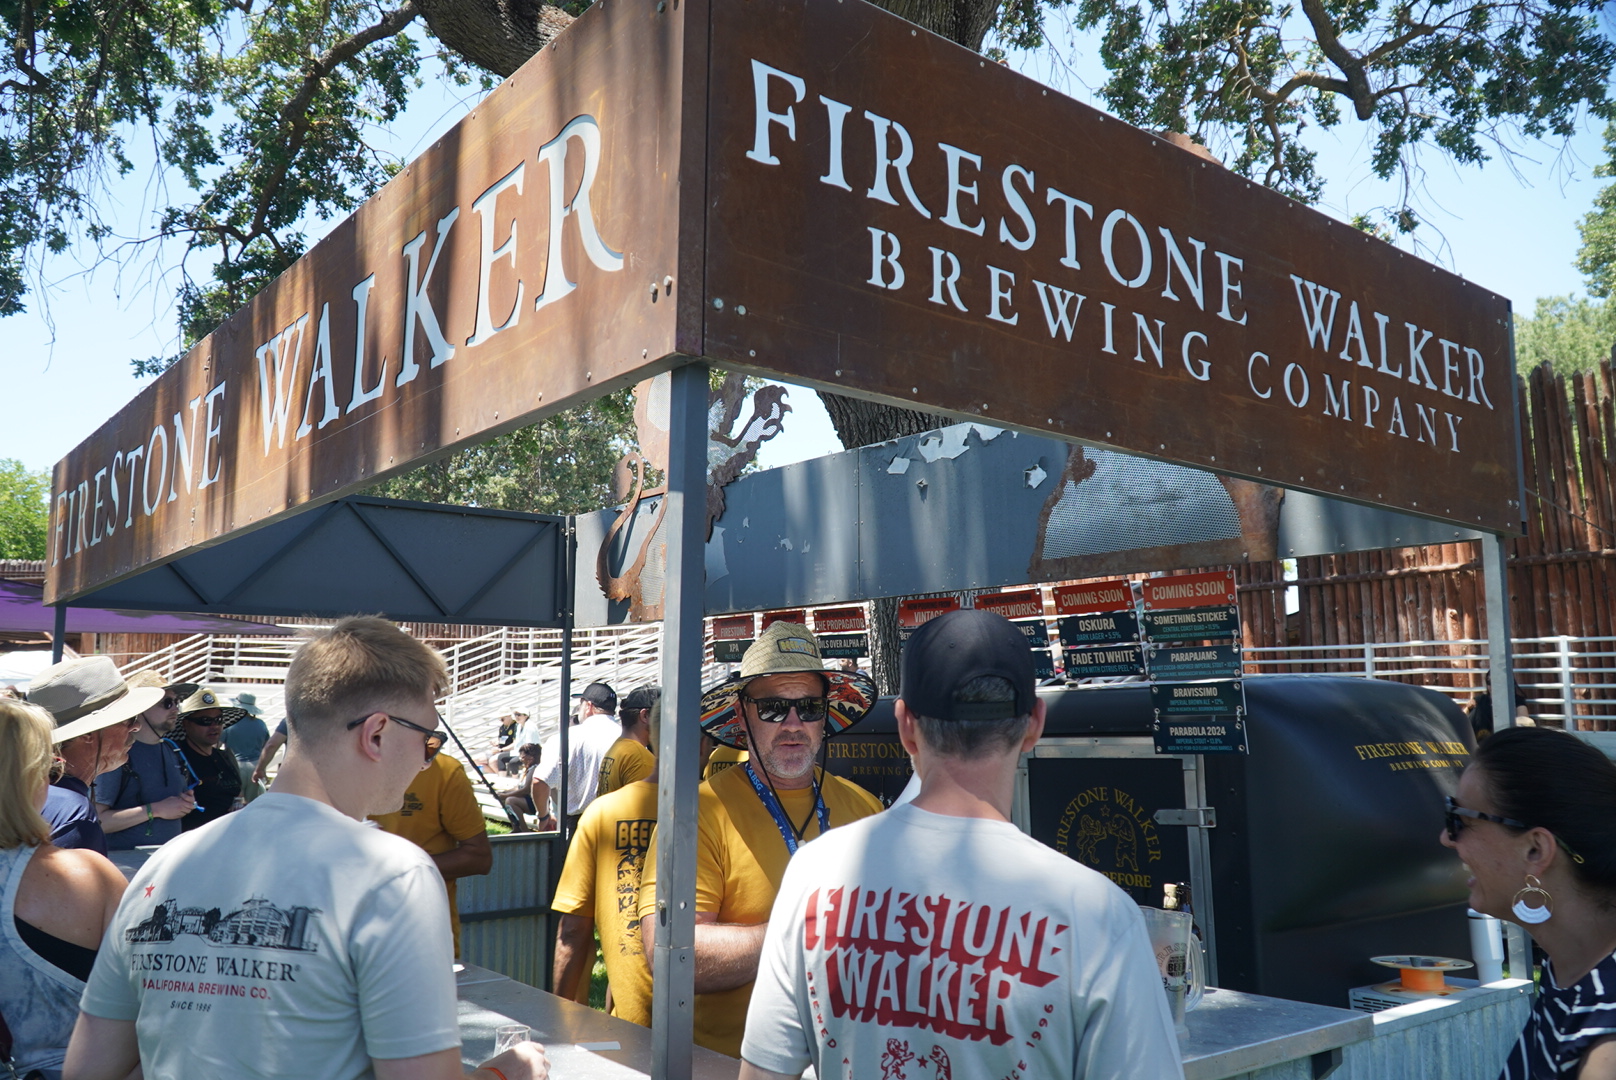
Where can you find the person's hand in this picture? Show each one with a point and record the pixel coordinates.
(259, 774)
(524, 1061)
(175, 806)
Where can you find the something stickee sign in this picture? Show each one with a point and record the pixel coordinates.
(526, 260)
(897, 217)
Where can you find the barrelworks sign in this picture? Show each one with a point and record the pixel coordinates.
(895, 216)
(527, 259)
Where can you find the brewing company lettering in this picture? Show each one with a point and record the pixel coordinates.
(297, 385)
(1363, 366)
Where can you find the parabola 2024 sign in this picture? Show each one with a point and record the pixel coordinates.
(895, 214)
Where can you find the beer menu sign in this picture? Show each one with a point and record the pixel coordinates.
(825, 193)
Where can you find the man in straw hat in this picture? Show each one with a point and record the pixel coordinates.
(938, 932)
(784, 702)
(336, 934)
(199, 734)
(97, 714)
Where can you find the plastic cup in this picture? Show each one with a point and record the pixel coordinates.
(509, 1035)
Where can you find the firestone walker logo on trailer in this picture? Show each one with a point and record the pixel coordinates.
(1108, 830)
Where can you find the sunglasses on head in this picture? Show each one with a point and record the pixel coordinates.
(774, 710)
(434, 739)
(1454, 815)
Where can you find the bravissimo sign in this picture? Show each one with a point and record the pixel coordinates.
(894, 216)
(528, 259)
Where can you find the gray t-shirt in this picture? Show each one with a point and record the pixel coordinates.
(943, 946)
(283, 940)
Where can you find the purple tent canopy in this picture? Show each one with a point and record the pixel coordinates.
(22, 610)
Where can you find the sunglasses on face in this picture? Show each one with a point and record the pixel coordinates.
(774, 710)
(1454, 815)
(205, 721)
(433, 742)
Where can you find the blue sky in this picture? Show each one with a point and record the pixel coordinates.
(64, 368)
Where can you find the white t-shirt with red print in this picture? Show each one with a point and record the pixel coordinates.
(927, 947)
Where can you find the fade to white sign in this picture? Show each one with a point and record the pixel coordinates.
(193, 457)
(1411, 382)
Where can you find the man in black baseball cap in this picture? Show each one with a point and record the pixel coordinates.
(1057, 949)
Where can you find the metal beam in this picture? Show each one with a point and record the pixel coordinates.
(674, 963)
(1500, 662)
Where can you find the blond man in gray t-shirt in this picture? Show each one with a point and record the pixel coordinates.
(289, 939)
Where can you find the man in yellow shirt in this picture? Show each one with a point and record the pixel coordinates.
(630, 757)
(600, 886)
(441, 816)
(752, 817)
(722, 757)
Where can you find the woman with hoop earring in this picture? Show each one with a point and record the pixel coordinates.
(1534, 820)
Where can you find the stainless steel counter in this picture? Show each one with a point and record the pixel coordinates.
(582, 1044)
(1234, 1033)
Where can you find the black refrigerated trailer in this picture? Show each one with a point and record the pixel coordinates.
(1305, 857)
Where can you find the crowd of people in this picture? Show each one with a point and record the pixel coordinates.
(927, 938)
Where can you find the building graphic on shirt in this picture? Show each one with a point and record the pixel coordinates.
(257, 923)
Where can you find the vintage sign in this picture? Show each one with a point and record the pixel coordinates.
(844, 646)
(1108, 628)
(1093, 596)
(1200, 735)
(1104, 662)
(1195, 662)
(899, 218)
(730, 650)
(1189, 590)
(841, 620)
(528, 259)
(1199, 698)
(734, 628)
(1192, 624)
(913, 614)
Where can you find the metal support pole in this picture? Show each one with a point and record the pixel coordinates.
(1500, 658)
(60, 631)
(673, 998)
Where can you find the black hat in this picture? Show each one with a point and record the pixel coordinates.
(951, 650)
(601, 696)
(642, 697)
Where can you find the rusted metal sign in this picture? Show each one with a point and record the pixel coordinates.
(895, 217)
(527, 260)
(1093, 596)
(1189, 590)
(734, 628)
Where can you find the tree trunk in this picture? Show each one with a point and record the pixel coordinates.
(495, 35)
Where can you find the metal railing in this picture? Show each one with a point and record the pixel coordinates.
(1567, 681)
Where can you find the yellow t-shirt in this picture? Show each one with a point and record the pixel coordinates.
(740, 859)
(723, 757)
(602, 880)
(625, 762)
(440, 811)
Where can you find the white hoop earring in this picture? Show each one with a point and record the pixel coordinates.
(1533, 915)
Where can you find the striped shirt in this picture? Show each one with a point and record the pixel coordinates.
(1564, 1024)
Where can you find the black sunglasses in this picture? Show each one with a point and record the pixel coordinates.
(431, 750)
(774, 710)
(205, 721)
(1453, 814)
(168, 702)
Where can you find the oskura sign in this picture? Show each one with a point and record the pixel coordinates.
(897, 217)
(526, 260)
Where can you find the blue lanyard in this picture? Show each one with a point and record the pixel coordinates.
(788, 831)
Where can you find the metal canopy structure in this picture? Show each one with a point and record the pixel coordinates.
(715, 181)
(413, 562)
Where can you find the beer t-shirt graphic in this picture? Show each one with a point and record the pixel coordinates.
(275, 942)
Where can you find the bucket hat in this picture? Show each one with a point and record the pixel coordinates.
(785, 648)
(87, 694)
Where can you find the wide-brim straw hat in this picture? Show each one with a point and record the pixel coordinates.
(87, 694)
(786, 649)
(205, 699)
